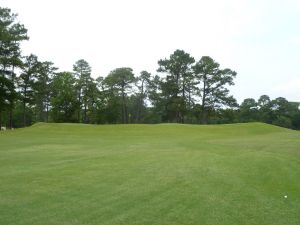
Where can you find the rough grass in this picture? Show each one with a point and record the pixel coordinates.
(150, 174)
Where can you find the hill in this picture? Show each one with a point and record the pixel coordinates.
(150, 174)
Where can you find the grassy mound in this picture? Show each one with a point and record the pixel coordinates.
(150, 174)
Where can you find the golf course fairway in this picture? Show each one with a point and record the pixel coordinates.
(164, 174)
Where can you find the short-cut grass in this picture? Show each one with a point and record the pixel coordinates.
(63, 174)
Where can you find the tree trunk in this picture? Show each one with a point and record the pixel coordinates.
(123, 106)
(177, 111)
(85, 96)
(0, 120)
(11, 118)
(24, 107)
(183, 102)
(24, 113)
(79, 108)
(126, 114)
(12, 103)
(47, 112)
(140, 104)
(124, 117)
(189, 106)
(85, 121)
(204, 113)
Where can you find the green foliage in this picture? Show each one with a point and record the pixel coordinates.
(249, 110)
(214, 81)
(177, 69)
(42, 88)
(184, 91)
(296, 119)
(143, 83)
(63, 99)
(84, 87)
(279, 111)
(26, 82)
(118, 83)
(11, 34)
(283, 121)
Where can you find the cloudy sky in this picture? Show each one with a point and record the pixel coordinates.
(259, 39)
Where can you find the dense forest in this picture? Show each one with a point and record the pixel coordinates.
(184, 90)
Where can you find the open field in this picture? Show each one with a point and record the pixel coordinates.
(63, 174)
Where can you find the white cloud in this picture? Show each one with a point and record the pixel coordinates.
(258, 39)
(290, 88)
(290, 85)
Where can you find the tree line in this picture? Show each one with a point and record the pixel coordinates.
(184, 90)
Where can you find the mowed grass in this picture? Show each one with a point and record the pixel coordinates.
(150, 174)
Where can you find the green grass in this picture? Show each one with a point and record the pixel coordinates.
(63, 174)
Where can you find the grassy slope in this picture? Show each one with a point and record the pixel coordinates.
(150, 174)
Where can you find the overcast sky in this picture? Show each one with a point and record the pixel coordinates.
(259, 39)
